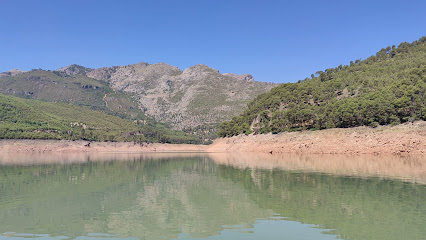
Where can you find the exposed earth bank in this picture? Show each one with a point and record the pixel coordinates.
(408, 138)
(46, 146)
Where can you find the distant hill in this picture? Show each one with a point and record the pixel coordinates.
(388, 88)
(32, 119)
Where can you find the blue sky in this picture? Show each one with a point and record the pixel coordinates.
(275, 41)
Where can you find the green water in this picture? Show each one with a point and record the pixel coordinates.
(198, 197)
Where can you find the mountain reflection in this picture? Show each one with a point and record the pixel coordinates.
(167, 196)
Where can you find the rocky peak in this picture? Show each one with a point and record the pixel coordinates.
(12, 72)
(101, 73)
(74, 69)
(164, 69)
(200, 68)
(138, 65)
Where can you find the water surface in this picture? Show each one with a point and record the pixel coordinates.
(211, 196)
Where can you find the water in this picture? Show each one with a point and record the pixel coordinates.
(211, 196)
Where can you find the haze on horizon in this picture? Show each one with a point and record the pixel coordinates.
(275, 41)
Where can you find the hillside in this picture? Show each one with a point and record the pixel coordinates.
(388, 88)
(195, 100)
(76, 89)
(32, 119)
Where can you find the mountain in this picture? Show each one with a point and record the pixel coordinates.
(388, 88)
(32, 119)
(195, 100)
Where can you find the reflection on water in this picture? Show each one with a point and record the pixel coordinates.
(407, 168)
(82, 157)
(214, 196)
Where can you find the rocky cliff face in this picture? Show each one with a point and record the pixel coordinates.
(197, 98)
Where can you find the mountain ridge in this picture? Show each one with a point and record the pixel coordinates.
(75, 69)
(195, 99)
(181, 98)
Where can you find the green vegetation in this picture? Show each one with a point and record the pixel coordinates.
(32, 119)
(74, 89)
(388, 88)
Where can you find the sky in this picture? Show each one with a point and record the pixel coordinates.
(275, 41)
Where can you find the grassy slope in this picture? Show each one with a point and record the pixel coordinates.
(388, 88)
(32, 119)
(78, 90)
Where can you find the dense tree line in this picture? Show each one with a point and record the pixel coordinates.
(388, 88)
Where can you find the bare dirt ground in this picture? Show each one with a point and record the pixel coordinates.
(46, 146)
(408, 138)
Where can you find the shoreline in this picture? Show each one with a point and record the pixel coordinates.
(402, 139)
(70, 146)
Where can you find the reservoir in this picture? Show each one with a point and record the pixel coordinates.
(211, 196)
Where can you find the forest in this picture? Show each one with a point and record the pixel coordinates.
(386, 88)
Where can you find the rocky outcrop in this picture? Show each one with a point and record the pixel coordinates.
(242, 77)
